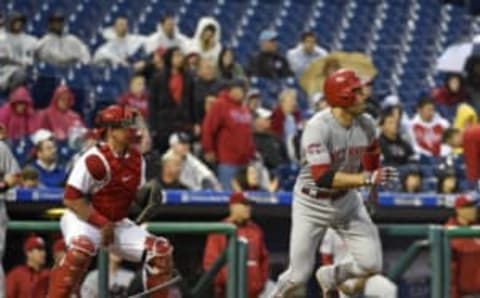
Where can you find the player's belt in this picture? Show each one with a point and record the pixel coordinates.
(319, 194)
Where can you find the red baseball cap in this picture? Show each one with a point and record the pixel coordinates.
(33, 242)
(464, 201)
(239, 198)
(59, 246)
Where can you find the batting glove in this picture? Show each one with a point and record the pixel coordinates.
(383, 176)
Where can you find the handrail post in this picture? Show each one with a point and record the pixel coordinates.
(447, 255)
(435, 238)
(242, 268)
(406, 259)
(232, 266)
(209, 275)
(102, 263)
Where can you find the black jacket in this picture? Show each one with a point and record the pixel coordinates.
(272, 149)
(269, 65)
(395, 152)
(165, 115)
(202, 90)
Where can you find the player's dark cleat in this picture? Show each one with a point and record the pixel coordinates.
(330, 294)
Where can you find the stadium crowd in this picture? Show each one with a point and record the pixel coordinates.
(198, 116)
(200, 123)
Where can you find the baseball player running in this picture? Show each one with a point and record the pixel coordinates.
(335, 144)
(99, 191)
(333, 251)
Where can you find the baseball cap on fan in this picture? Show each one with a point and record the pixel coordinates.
(179, 138)
(267, 35)
(33, 242)
(465, 201)
(263, 113)
(41, 135)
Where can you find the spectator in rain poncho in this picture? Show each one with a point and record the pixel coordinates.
(59, 47)
(17, 115)
(16, 52)
(206, 41)
(59, 117)
(167, 35)
(121, 46)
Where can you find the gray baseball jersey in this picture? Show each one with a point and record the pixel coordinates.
(8, 165)
(326, 142)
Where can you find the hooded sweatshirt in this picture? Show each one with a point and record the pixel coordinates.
(212, 53)
(427, 136)
(19, 125)
(227, 131)
(57, 121)
(465, 116)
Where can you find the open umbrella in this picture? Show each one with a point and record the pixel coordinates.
(313, 78)
(453, 59)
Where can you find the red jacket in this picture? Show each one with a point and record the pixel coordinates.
(21, 280)
(471, 152)
(278, 120)
(465, 272)
(140, 103)
(227, 131)
(442, 96)
(258, 266)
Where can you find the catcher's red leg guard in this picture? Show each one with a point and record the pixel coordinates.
(65, 279)
(158, 267)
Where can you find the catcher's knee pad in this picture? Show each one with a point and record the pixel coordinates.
(158, 267)
(65, 279)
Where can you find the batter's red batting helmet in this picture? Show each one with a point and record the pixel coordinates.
(339, 88)
(115, 116)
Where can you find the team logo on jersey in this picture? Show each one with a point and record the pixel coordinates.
(315, 148)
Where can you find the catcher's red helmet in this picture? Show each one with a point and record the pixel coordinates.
(115, 116)
(339, 88)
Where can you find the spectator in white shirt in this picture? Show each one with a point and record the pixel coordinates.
(452, 143)
(168, 35)
(16, 51)
(59, 47)
(194, 173)
(301, 56)
(120, 47)
(426, 129)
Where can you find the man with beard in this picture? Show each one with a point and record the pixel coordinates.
(60, 48)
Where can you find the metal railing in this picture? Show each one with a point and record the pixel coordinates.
(435, 238)
(234, 255)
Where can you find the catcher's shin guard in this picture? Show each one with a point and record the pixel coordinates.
(158, 266)
(65, 279)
